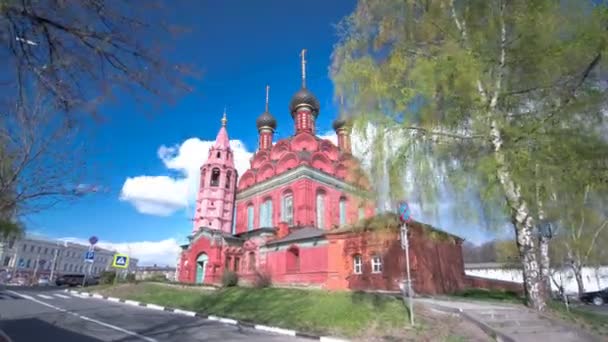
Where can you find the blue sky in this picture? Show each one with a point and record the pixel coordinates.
(240, 46)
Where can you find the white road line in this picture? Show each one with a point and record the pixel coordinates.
(61, 296)
(44, 296)
(275, 330)
(184, 312)
(85, 318)
(155, 307)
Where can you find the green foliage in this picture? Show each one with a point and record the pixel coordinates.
(157, 278)
(230, 278)
(107, 277)
(491, 295)
(425, 74)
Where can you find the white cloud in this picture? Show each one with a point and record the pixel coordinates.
(163, 252)
(164, 195)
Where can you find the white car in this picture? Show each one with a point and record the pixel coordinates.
(43, 281)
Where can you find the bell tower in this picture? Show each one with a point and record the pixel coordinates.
(217, 189)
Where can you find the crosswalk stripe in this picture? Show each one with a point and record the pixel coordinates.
(61, 296)
(44, 296)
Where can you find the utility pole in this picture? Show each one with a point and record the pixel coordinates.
(405, 217)
(53, 264)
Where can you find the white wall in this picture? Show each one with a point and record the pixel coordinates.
(594, 279)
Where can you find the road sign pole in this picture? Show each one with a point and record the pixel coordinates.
(406, 246)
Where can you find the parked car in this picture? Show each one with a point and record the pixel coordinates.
(43, 281)
(76, 280)
(597, 298)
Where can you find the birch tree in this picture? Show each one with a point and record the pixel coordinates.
(482, 81)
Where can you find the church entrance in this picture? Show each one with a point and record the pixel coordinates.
(201, 266)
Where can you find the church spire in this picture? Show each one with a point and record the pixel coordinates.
(224, 119)
(303, 55)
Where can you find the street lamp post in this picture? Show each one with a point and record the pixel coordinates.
(405, 217)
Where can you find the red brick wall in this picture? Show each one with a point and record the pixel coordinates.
(493, 284)
(312, 266)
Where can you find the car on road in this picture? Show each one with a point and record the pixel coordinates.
(596, 298)
(43, 281)
(76, 280)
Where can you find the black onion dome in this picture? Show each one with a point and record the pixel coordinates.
(339, 123)
(304, 97)
(266, 120)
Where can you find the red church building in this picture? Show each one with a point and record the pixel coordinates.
(301, 218)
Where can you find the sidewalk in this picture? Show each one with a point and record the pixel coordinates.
(510, 322)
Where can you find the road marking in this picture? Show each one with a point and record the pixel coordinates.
(85, 318)
(155, 307)
(61, 296)
(184, 312)
(44, 296)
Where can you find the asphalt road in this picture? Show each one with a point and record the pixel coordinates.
(50, 314)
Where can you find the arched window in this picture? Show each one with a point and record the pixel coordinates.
(251, 261)
(320, 210)
(376, 263)
(357, 264)
(266, 213)
(215, 177)
(250, 217)
(287, 208)
(293, 259)
(228, 176)
(342, 210)
(219, 154)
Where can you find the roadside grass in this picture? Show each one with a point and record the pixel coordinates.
(314, 311)
(490, 295)
(581, 317)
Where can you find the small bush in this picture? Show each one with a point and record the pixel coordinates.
(230, 278)
(130, 278)
(157, 278)
(262, 280)
(107, 277)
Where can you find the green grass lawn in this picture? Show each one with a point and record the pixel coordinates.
(490, 295)
(342, 313)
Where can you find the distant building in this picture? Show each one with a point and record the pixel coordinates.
(34, 257)
(147, 272)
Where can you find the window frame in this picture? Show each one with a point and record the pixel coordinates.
(357, 264)
(377, 264)
(214, 181)
(287, 215)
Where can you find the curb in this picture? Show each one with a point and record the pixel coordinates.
(223, 320)
(490, 331)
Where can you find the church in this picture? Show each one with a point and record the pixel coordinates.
(300, 216)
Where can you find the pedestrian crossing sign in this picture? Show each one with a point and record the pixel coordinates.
(120, 261)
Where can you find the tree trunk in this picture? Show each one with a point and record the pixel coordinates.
(524, 225)
(578, 275)
(545, 264)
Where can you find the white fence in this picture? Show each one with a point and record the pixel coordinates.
(594, 279)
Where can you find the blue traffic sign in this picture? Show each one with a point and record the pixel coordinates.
(89, 256)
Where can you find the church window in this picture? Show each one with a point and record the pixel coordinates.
(251, 261)
(228, 175)
(215, 177)
(287, 208)
(357, 264)
(219, 154)
(321, 210)
(227, 264)
(250, 217)
(293, 259)
(237, 262)
(376, 264)
(266, 213)
(342, 210)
